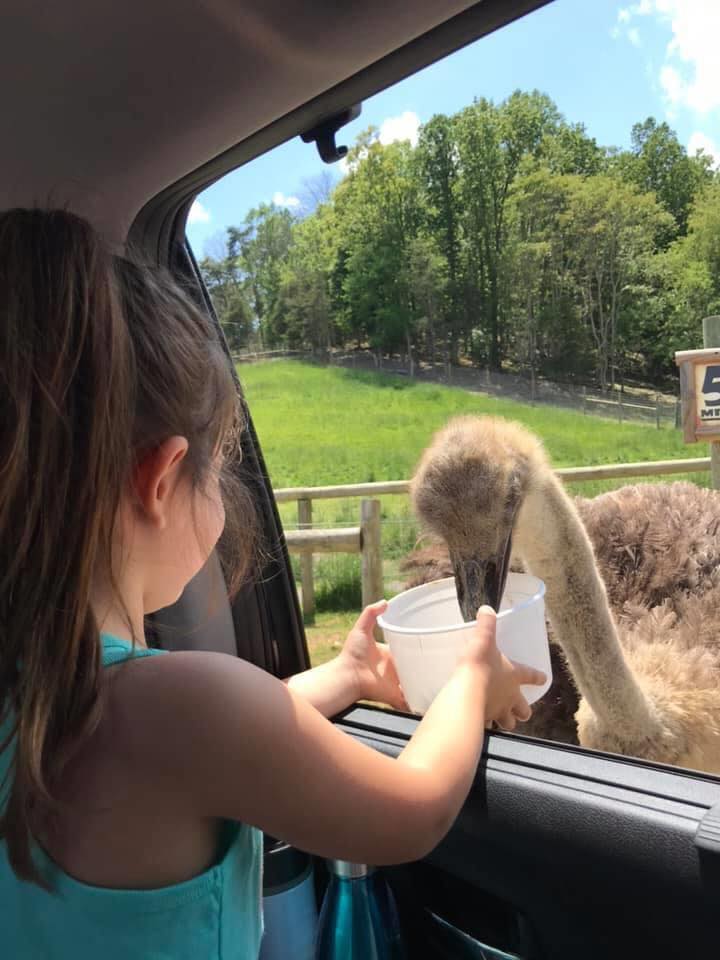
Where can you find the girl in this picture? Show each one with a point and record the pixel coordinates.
(136, 784)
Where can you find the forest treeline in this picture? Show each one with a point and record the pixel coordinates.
(506, 235)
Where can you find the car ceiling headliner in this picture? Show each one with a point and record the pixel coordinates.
(106, 104)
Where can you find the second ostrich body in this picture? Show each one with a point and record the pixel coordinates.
(648, 684)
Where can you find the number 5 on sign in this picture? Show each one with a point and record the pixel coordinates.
(710, 388)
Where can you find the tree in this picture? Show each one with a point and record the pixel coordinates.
(225, 282)
(492, 142)
(506, 235)
(260, 247)
(568, 149)
(437, 166)
(542, 316)
(687, 284)
(302, 311)
(658, 163)
(377, 216)
(611, 231)
(427, 280)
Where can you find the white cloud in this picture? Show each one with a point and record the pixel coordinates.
(621, 28)
(700, 141)
(199, 213)
(672, 84)
(404, 127)
(690, 75)
(280, 200)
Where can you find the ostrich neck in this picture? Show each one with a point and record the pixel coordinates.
(555, 547)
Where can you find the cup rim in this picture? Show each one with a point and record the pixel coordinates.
(384, 624)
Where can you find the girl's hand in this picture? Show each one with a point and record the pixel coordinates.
(371, 662)
(505, 703)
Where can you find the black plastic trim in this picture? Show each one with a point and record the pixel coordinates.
(549, 761)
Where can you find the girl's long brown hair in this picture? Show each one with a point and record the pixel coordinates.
(100, 360)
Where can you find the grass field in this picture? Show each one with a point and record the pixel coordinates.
(320, 425)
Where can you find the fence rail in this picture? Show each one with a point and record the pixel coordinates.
(365, 539)
(570, 474)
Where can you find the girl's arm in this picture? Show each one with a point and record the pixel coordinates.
(212, 736)
(364, 670)
(330, 688)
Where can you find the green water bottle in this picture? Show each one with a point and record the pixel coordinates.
(358, 920)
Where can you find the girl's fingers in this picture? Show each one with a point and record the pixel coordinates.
(399, 702)
(486, 621)
(507, 721)
(366, 620)
(529, 675)
(521, 709)
(392, 682)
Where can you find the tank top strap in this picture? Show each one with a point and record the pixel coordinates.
(115, 650)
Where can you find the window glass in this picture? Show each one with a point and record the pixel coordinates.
(527, 229)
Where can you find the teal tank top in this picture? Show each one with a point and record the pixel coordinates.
(215, 916)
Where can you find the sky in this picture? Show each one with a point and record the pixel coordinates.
(605, 64)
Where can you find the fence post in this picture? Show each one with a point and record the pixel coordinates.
(306, 563)
(584, 400)
(371, 552)
(620, 410)
(678, 416)
(657, 411)
(711, 338)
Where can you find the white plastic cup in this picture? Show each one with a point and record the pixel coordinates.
(426, 634)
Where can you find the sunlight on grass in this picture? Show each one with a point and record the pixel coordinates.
(330, 425)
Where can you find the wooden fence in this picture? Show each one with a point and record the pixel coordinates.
(365, 539)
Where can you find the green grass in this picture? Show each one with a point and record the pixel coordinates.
(326, 636)
(321, 425)
(328, 425)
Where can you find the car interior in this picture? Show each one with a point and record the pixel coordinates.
(124, 113)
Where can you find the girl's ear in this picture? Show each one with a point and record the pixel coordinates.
(156, 477)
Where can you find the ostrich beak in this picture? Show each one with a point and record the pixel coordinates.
(481, 579)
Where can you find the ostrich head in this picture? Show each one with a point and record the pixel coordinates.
(468, 489)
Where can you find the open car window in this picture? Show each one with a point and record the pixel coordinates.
(511, 233)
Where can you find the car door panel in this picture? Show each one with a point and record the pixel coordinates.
(563, 853)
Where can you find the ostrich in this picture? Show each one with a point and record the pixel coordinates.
(648, 680)
(654, 544)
